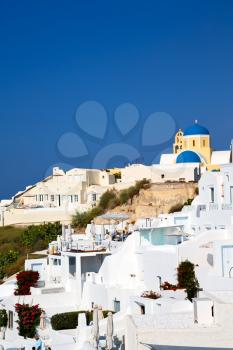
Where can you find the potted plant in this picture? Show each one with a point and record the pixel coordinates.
(150, 294)
(187, 279)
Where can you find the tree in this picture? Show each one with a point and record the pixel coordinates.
(187, 278)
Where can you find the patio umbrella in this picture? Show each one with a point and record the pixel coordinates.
(95, 327)
(109, 331)
(100, 313)
(42, 320)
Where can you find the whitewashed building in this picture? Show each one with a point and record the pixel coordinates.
(56, 197)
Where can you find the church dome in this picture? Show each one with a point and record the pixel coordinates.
(188, 157)
(196, 129)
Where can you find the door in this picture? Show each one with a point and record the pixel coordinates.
(227, 261)
(39, 268)
(231, 194)
(117, 305)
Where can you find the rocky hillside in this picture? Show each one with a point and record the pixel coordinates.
(159, 198)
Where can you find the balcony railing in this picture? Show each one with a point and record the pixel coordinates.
(226, 206)
(213, 206)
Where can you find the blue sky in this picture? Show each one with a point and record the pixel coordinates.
(161, 56)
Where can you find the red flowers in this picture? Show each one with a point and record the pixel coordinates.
(29, 319)
(26, 280)
(150, 294)
(168, 286)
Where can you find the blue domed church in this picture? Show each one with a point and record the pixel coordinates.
(193, 145)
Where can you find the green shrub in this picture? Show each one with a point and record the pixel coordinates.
(106, 198)
(44, 233)
(82, 219)
(3, 318)
(187, 278)
(196, 191)
(175, 208)
(189, 201)
(7, 259)
(123, 196)
(132, 191)
(69, 320)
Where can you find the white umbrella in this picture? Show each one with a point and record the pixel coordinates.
(100, 313)
(95, 327)
(109, 331)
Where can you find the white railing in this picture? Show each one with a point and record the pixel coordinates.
(226, 207)
(213, 206)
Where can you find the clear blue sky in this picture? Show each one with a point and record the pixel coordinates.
(162, 56)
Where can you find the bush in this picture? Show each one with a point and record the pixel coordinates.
(3, 318)
(189, 201)
(83, 219)
(187, 279)
(69, 320)
(6, 259)
(26, 280)
(106, 198)
(168, 286)
(28, 319)
(151, 295)
(43, 233)
(132, 191)
(123, 196)
(175, 208)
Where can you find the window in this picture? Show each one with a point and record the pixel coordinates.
(193, 143)
(41, 197)
(93, 196)
(52, 198)
(203, 143)
(46, 197)
(72, 266)
(75, 198)
(162, 176)
(117, 305)
(212, 194)
(57, 262)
